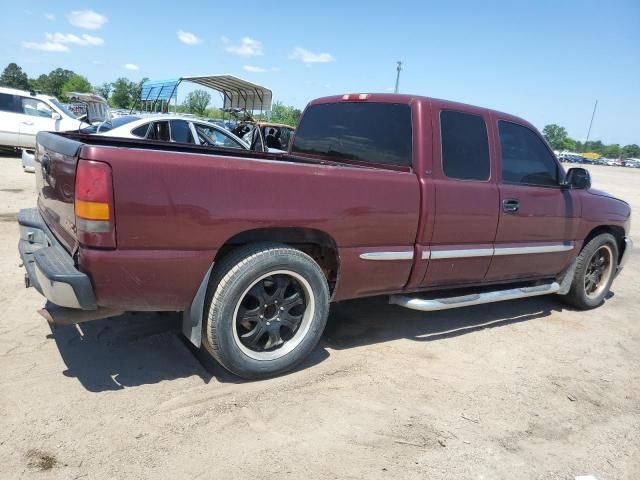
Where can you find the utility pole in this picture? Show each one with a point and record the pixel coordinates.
(590, 124)
(399, 68)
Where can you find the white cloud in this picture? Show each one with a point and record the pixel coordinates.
(253, 69)
(248, 47)
(131, 66)
(308, 57)
(87, 19)
(49, 16)
(188, 38)
(83, 40)
(46, 46)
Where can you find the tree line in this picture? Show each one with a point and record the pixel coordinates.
(559, 140)
(123, 93)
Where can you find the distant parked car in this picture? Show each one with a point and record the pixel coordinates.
(168, 128)
(631, 162)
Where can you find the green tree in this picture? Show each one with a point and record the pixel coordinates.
(631, 151)
(121, 95)
(77, 83)
(14, 77)
(568, 144)
(555, 135)
(134, 90)
(595, 146)
(281, 113)
(612, 151)
(39, 84)
(104, 90)
(56, 80)
(197, 102)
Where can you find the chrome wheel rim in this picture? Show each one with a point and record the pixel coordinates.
(273, 315)
(598, 272)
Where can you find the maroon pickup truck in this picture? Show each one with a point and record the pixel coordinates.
(434, 203)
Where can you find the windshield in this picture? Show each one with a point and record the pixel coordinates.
(62, 107)
(106, 126)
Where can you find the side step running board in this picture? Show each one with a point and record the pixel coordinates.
(432, 304)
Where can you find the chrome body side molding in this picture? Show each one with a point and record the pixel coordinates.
(406, 255)
(560, 247)
(466, 253)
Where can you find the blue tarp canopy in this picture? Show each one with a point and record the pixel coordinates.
(236, 92)
(160, 90)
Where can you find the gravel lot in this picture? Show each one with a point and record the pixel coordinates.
(526, 389)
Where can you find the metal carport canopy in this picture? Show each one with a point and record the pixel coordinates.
(237, 93)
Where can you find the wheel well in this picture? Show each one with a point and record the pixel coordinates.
(617, 232)
(317, 244)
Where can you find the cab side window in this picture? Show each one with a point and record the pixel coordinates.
(465, 146)
(526, 160)
(35, 108)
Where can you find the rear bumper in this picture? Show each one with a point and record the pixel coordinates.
(50, 268)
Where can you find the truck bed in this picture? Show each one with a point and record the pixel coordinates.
(175, 206)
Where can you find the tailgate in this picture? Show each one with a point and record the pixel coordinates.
(56, 158)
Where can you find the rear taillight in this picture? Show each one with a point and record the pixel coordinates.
(95, 222)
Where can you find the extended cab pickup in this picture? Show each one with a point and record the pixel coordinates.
(434, 203)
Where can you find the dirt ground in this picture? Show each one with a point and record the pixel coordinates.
(526, 389)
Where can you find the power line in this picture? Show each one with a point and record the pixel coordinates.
(590, 124)
(399, 68)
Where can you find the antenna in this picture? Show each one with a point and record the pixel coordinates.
(399, 68)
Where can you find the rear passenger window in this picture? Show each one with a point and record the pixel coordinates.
(525, 158)
(159, 131)
(180, 132)
(465, 146)
(8, 103)
(141, 131)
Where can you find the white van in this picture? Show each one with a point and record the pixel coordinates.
(24, 114)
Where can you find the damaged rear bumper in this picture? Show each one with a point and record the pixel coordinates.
(50, 269)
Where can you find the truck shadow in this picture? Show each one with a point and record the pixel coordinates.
(145, 348)
(361, 322)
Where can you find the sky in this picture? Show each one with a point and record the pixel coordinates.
(546, 61)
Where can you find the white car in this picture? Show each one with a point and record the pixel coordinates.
(168, 128)
(24, 114)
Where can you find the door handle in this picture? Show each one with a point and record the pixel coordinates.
(510, 205)
(27, 123)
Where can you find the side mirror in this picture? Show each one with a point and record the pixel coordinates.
(56, 116)
(578, 178)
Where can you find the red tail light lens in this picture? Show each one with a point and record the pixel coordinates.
(95, 222)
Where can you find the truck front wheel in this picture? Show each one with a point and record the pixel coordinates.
(268, 310)
(595, 270)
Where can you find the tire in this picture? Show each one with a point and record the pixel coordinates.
(268, 309)
(579, 295)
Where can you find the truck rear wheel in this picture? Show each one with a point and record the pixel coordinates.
(268, 310)
(595, 269)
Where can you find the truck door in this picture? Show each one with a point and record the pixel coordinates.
(538, 217)
(465, 198)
